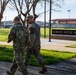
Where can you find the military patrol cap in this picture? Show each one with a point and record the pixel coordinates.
(17, 18)
(30, 16)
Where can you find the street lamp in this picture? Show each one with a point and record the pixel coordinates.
(50, 23)
(45, 19)
(69, 13)
(0, 12)
(0, 17)
(0, 6)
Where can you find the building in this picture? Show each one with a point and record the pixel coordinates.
(6, 24)
(64, 34)
(64, 21)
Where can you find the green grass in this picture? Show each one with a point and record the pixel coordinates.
(65, 28)
(6, 53)
(47, 30)
(49, 56)
(3, 34)
(72, 46)
(42, 32)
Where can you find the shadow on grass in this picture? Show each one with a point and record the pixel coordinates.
(50, 57)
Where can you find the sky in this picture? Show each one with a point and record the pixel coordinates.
(68, 5)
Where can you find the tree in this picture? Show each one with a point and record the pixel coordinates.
(27, 5)
(3, 4)
(24, 7)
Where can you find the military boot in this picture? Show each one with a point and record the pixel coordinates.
(23, 71)
(44, 70)
(9, 73)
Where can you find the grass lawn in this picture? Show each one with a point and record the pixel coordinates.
(50, 57)
(42, 32)
(47, 30)
(72, 46)
(3, 34)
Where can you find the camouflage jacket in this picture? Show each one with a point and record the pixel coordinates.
(19, 35)
(34, 35)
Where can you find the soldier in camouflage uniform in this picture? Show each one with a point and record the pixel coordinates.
(34, 47)
(18, 34)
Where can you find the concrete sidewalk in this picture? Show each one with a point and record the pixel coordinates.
(57, 45)
(53, 45)
(62, 68)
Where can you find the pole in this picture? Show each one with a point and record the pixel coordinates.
(0, 12)
(69, 13)
(0, 18)
(50, 23)
(45, 19)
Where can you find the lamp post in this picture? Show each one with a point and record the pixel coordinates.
(50, 23)
(0, 13)
(0, 17)
(45, 19)
(69, 13)
(0, 6)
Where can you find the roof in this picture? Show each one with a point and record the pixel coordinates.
(74, 19)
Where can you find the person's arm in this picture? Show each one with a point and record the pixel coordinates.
(32, 37)
(27, 38)
(11, 35)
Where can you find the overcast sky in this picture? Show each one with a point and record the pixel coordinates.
(68, 5)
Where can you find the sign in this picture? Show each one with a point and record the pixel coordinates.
(64, 32)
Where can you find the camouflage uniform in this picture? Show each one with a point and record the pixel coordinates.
(18, 34)
(34, 38)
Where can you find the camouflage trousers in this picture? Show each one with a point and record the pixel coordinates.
(18, 63)
(36, 53)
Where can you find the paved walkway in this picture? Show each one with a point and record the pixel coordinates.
(62, 68)
(53, 45)
(57, 45)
